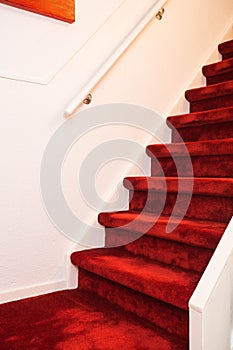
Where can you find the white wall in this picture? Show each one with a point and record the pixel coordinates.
(170, 54)
(153, 73)
(45, 38)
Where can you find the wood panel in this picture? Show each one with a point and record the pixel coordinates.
(63, 10)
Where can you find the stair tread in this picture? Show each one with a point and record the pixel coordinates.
(169, 284)
(218, 68)
(218, 115)
(197, 148)
(211, 91)
(168, 317)
(226, 47)
(204, 186)
(205, 234)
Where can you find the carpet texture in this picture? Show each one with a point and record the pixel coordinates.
(136, 296)
(76, 320)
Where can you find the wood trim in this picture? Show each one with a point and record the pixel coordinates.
(63, 10)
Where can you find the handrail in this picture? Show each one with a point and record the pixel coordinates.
(150, 8)
(211, 303)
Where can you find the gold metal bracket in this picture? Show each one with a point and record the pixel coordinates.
(159, 14)
(88, 99)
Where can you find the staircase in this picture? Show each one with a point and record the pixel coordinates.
(154, 276)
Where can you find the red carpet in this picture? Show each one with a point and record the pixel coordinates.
(136, 296)
(75, 320)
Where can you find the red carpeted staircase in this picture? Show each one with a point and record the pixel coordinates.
(135, 297)
(154, 276)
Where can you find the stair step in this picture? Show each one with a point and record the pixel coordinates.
(205, 234)
(218, 72)
(211, 198)
(206, 125)
(226, 49)
(172, 319)
(168, 284)
(193, 158)
(210, 97)
(209, 148)
(203, 186)
(169, 252)
(214, 116)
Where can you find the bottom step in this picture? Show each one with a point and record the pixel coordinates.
(77, 320)
(167, 283)
(172, 319)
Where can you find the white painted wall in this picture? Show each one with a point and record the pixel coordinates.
(45, 38)
(153, 73)
(170, 55)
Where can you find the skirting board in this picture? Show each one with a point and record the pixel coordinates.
(70, 282)
(32, 291)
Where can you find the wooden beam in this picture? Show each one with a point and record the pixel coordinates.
(63, 10)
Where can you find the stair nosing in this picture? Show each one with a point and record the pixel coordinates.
(191, 148)
(196, 185)
(225, 47)
(206, 92)
(164, 218)
(215, 69)
(201, 118)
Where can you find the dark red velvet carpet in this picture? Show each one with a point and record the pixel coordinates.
(136, 296)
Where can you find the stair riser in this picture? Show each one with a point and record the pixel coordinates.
(212, 103)
(117, 237)
(163, 250)
(201, 207)
(202, 166)
(204, 132)
(172, 319)
(227, 55)
(220, 78)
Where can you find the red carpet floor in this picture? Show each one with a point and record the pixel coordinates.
(136, 296)
(76, 320)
